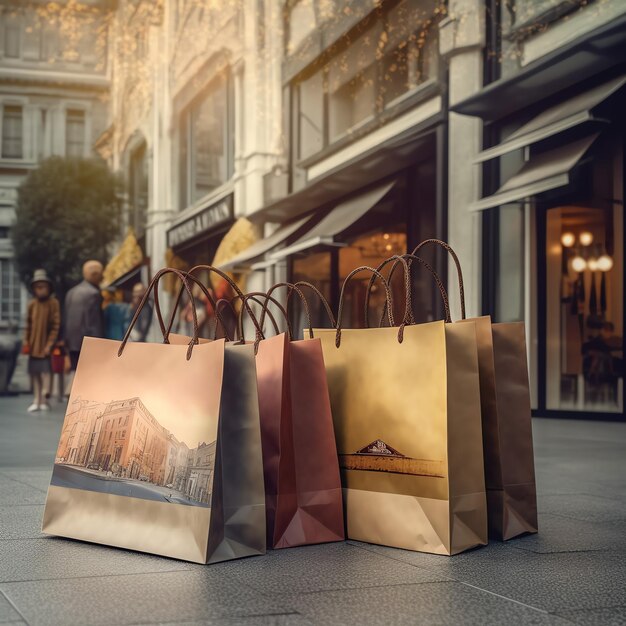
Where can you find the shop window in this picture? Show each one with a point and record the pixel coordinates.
(584, 309)
(205, 153)
(12, 37)
(75, 133)
(12, 132)
(10, 293)
(389, 60)
(315, 269)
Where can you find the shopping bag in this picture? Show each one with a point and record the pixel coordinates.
(506, 418)
(302, 484)
(137, 454)
(239, 466)
(406, 408)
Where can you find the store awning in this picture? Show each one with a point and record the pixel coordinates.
(556, 119)
(339, 219)
(245, 258)
(546, 171)
(128, 258)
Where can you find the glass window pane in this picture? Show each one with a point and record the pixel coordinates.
(315, 269)
(12, 132)
(352, 83)
(12, 37)
(311, 115)
(584, 309)
(75, 133)
(209, 142)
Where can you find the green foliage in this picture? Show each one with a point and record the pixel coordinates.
(67, 213)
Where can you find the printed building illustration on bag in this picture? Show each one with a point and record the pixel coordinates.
(381, 457)
(123, 440)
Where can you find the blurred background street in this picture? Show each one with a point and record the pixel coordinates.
(571, 572)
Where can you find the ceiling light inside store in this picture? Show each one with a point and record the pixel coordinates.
(592, 264)
(605, 263)
(586, 238)
(568, 240)
(579, 264)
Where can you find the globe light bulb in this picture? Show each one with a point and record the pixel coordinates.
(579, 264)
(592, 264)
(586, 238)
(568, 240)
(605, 263)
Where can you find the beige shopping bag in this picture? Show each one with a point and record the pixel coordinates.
(406, 410)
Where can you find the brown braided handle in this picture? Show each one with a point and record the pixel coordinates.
(259, 334)
(455, 258)
(254, 298)
(320, 295)
(157, 308)
(291, 288)
(154, 283)
(231, 282)
(389, 302)
(409, 258)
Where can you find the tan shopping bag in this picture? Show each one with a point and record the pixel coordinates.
(406, 410)
(136, 459)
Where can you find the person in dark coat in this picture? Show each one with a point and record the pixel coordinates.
(83, 311)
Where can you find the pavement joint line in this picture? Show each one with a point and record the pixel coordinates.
(14, 506)
(498, 595)
(23, 483)
(13, 606)
(239, 617)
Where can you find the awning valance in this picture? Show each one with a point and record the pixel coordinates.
(245, 259)
(544, 172)
(339, 219)
(556, 119)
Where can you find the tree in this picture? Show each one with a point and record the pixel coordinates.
(67, 213)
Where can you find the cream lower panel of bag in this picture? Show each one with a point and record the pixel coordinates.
(174, 530)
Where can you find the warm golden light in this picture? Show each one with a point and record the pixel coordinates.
(579, 264)
(592, 264)
(605, 263)
(585, 238)
(568, 240)
(386, 236)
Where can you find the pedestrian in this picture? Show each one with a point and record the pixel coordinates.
(43, 321)
(116, 313)
(83, 313)
(141, 328)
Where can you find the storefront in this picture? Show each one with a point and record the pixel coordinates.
(553, 222)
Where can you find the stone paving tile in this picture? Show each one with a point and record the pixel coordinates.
(21, 522)
(283, 619)
(589, 508)
(39, 479)
(610, 616)
(177, 597)
(50, 557)
(429, 603)
(8, 614)
(15, 493)
(552, 581)
(321, 567)
(563, 534)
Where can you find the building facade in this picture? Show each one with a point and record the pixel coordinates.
(54, 82)
(300, 139)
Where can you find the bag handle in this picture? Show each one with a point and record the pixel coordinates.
(409, 258)
(254, 298)
(231, 282)
(455, 258)
(154, 283)
(291, 288)
(157, 307)
(259, 333)
(320, 295)
(389, 302)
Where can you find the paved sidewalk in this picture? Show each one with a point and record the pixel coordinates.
(574, 571)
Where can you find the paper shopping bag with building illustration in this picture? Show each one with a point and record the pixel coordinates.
(406, 409)
(506, 419)
(139, 452)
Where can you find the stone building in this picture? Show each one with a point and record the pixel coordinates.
(54, 84)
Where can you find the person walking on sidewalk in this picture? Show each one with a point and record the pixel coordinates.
(83, 313)
(43, 321)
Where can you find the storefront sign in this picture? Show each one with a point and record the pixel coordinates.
(203, 222)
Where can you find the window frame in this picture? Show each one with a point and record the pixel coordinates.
(3, 107)
(14, 317)
(186, 164)
(68, 112)
(16, 24)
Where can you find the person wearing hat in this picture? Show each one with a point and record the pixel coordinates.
(43, 320)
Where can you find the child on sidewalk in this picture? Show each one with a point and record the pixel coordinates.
(42, 329)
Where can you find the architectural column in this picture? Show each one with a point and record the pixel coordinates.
(462, 38)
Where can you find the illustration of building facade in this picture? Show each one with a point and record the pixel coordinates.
(123, 439)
